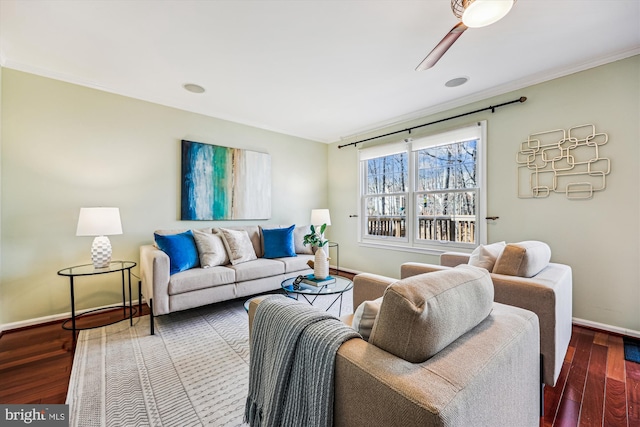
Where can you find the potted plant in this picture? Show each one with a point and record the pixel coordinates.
(321, 262)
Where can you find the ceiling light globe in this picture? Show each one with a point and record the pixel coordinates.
(481, 13)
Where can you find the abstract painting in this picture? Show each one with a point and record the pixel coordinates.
(223, 183)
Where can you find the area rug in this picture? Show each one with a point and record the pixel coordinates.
(192, 372)
(631, 349)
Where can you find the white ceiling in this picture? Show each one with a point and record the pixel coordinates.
(322, 70)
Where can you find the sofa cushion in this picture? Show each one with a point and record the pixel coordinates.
(485, 256)
(523, 259)
(211, 249)
(199, 278)
(278, 242)
(257, 269)
(238, 245)
(298, 240)
(181, 249)
(423, 314)
(365, 316)
(297, 263)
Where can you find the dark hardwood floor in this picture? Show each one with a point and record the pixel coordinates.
(597, 387)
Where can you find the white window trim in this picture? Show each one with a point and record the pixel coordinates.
(411, 243)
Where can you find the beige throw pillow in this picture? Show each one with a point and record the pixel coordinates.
(365, 316)
(298, 239)
(238, 245)
(211, 249)
(485, 256)
(523, 259)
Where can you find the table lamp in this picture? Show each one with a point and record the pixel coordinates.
(320, 217)
(99, 222)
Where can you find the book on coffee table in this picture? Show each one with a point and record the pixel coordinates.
(311, 280)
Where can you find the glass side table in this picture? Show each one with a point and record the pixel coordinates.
(90, 270)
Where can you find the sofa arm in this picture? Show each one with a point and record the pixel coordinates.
(154, 271)
(410, 269)
(367, 287)
(549, 295)
(451, 259)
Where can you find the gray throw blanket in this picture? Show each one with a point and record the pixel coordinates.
(293, 350)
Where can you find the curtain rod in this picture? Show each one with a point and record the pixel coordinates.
(491, 107)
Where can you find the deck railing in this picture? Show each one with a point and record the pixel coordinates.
(458, 229)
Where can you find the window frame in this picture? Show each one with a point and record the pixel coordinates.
(411, 242)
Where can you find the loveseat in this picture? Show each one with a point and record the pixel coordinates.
(228, 263)
(441, 353)
(523, 277)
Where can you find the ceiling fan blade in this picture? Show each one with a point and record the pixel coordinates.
(444, 45)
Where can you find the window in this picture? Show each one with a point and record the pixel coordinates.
(425, 194)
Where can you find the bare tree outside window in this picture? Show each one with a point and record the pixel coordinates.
(386, 195)
(446, 192)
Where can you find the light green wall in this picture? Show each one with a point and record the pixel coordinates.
(598, 238)
(65, 146)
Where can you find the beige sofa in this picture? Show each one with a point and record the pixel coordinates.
(545, 289)
(167, 293)
(441, 353)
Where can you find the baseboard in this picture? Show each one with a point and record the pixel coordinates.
(348, 270)
(607, 328)
(49, 319)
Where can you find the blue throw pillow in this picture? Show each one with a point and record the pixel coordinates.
(181, 248)
(278, 242)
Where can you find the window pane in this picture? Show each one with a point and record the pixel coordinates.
(386, 216)
(389, 174)
(447, 166)
(447, 216)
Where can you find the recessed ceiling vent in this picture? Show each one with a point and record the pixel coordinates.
(191, 87)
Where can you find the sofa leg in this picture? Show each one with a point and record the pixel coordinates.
(139, 298)
(151, 316)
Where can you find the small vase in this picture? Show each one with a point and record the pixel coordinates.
(321, 264)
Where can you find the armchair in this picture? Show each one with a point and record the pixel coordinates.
(438, 358)
(548, 293)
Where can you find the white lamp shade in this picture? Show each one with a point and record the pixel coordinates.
(480, 13)
(320, 216)
(99, 222)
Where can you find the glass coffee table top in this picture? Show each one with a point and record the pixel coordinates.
(341, 285)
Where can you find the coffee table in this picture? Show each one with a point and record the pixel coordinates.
(310, 294)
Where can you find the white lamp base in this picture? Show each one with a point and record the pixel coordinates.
(101, 252)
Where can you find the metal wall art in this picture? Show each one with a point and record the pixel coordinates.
(563, 161)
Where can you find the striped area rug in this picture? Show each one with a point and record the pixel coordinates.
(192, 372)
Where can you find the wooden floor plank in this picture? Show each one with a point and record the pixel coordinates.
(568, 414)
(592, 410)
(553, 395)
(615, 408)
(633, 370)
(633, 400)
(601, 338)
(578, 373)
(615, 362)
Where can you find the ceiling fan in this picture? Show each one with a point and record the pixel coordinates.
(472, 14)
